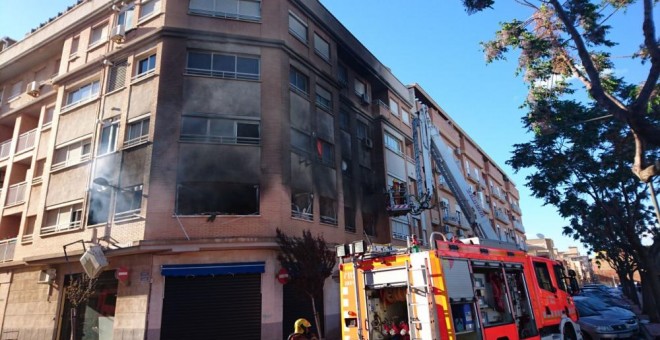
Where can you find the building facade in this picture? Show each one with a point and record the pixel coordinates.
(178, 136)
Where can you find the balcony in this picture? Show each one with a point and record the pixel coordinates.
(452, 219)
(515, 208)
(16, 194)
(61, 227)
(381, 109)
(519, 226)
(26, 141)
(498, 194)
(472, 177)
(500, 215)
(7, 249)
(5, 148)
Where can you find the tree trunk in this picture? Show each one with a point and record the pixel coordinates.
(632, 290)
(317, 320)
(650, 295)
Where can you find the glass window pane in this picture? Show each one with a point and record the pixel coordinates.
(300, 140)
(250, 9)
(201, 5)
(221, 128)
(147, 8)
(224, 63)
(226, 6)
(297, 28)
(198, 60)
(248, 65)
(194, 126)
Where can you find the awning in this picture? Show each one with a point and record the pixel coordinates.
(212, 269)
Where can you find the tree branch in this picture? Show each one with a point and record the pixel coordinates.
(648, 27)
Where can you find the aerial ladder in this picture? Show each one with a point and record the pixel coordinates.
(430, 147)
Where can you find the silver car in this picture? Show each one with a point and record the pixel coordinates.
(596, 326)
(610, 312)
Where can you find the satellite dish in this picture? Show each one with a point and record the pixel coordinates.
(539, 235)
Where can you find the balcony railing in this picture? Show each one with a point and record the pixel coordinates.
(26, 141)
(60, 227)
(5, 147)
(451, 218)
(127, 215)
(7, 249)
(515, 208)
(16, 193)
(500, 215)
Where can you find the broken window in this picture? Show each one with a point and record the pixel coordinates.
(328, 208)
(219, 130)
(349, 219)
(302, 204)
(129, 202)
(369, 223)
(217, 198)
(325, 152)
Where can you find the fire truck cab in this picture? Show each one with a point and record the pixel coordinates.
(455, 291)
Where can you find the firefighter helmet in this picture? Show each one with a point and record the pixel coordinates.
(301, 326)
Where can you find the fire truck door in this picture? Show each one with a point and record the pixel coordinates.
(551, 310)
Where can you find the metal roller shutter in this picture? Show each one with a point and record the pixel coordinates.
(212, 307)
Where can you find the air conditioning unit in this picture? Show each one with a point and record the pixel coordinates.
(93, 261)
(33, 89)
(47, 276)
(118, 34)
(364, 99)
(368, 143)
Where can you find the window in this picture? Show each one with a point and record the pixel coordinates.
(230, 9)
(16, 89)
(360, 88)
(117, 76)
(325, 152)
(301, 141)
(393, 143)
(400, 230)
(82, 93)
(125, 16)
(323, 98)
(349, 219)
(298, 81)
(321, 47)
(559, 277)
(71, 154)
(74, 47)
(217, 198)
(223, 65)
(48, 115)
(147, 8)
(108, 141)
(98, 34)
(219, 130)
(137, 133)
(394, 107)
(297, 27)
(62, 219)
(362, 130)
(405, 117)
(342, 75)
(146, 66)
(543, 276)
(302, 204)
(128, 202)
(328, 209)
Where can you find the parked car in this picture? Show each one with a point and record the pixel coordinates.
(605, 297)
(612, 313)
(595, 326)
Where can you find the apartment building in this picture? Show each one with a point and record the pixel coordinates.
(178, 136)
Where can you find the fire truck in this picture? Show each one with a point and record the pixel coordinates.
(483, 287)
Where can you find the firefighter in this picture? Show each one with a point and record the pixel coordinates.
(302, 330)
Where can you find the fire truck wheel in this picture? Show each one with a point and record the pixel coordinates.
(569, 333)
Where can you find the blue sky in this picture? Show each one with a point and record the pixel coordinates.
(435, 44)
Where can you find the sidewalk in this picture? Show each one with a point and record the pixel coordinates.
(650, 331)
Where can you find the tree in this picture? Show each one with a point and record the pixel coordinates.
(80, 288)
(568, 39)
(309, 262)
(581, 169)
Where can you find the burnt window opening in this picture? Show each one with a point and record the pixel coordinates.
(217, 198)
(325, 152)
(328, 207)
(99, 207)
(369, 223)
(129, 202)
(301, 142)
(349, 219)
(217, 130)
(302, 204)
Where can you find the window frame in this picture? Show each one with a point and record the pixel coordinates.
(322, 101)
(296, 74)
(228, 15)
(292, 30)
(224, 74)
(110, 145)
(102, 38)
(544, 283)
(144, 135)
(151, 65)
(388, 138)
(73, 223)
(142, 15)
(94, 84)
(85, 146)
(211, 138)
(319, 39)
(127, 20)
